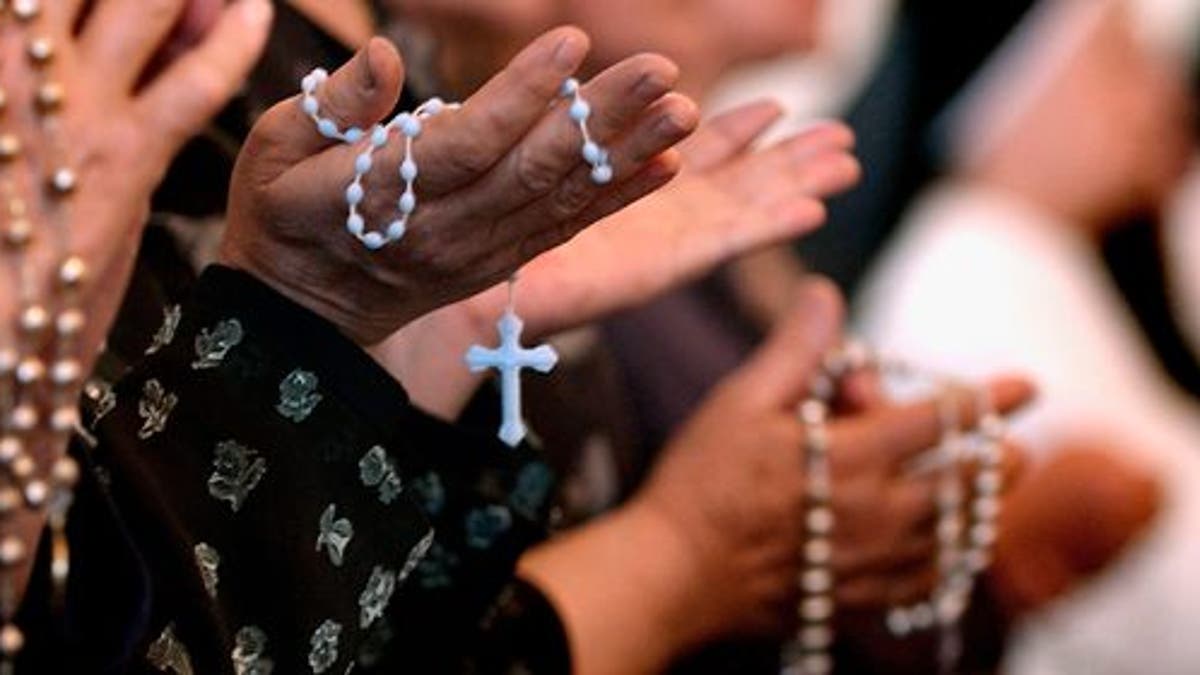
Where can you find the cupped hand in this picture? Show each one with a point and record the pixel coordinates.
(501, 181)
(732, 482)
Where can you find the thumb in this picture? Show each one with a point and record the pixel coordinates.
(779, 374)
(360, 94)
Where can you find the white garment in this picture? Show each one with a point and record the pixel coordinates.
(979, 283)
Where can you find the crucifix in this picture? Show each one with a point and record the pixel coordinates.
(510, 358)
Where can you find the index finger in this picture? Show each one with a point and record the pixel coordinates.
(896, 435)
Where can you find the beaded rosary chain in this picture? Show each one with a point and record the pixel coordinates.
(964, 545)
(410, 125)
(38, 408)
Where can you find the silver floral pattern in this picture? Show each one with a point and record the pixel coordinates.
(430, 493)
(166, 332)
(155, 408)
(375, 597)
(250, 652)
(208, 561)
(324, 646)
(298, 395)
(377, 470)
(213, 345)
(168, 654)
(485, 525)
(416, 556)
(237, 470)
(103, 397)
(335, 534)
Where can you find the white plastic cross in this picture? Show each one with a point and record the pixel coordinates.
(510, 358)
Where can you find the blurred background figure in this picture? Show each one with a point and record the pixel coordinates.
(1046, 247)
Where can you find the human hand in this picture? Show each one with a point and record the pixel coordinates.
(732, 482)
(501, 181)
(728, 201)
(1107, 138)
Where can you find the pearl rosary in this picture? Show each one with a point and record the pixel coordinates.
(960, 558)
(38, 409)
(509, 358)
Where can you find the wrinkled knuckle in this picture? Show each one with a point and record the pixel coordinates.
(535, 173)
(570, 198)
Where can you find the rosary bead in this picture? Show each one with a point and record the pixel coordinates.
(988, 482)
(50, 97)
(580, 110)
(31, 370)
(986, 508)
(10, 500)
(69, 323)
(570, 87)
(18, 232)
(11, 448)
(373, 241)
(10, 147)
(410, 125)
(41, 51)
(354, 135)
(379, 136)
(592, 154)
(64, 419)
(816, 637)
(72, 272)
(816, 608)
(355, 225)
(407, 203)
(23, 417)
(993, 427)
(817, 664)
(36, 492)
(327, 128)
(22, 467)
(602, 174)
(63, 181)
(408, 170)
(949, 530)
(65, 472)
(310, 105)
(820, 520)
(814, 412)
(34, 319)
(434, 106)
(817, 581)
(354, 194)
(66, 372)
(818, 551)
(977, 561)
(12, 640)
(922, 616)
(983, 535)
(12, 551)
(396, 230)
(362, 164)
(26, 10)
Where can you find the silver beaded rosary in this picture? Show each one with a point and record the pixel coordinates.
(509, 358)
(38, 409)
(964, 549)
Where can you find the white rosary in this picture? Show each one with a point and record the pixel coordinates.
(964, 548)
(509, 358)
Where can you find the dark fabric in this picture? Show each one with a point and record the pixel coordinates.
(438, 513)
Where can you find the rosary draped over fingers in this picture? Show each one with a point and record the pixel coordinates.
(501, 180)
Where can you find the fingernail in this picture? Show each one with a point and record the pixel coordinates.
(569, 51)
(256, 12)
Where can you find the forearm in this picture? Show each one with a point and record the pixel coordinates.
(625, 588)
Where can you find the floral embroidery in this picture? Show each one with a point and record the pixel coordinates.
(377, 469)
(431, 494)
(298, 395)
(335, 535)
(236, 471)
(531, 490)
(415, 556)
(250, 652)
(166, 332)
(167, 653)
(155, 408)
(324, 646)
(212, 347)
(486, 525)
(104, 398)
(208, 561)
(376, 596)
